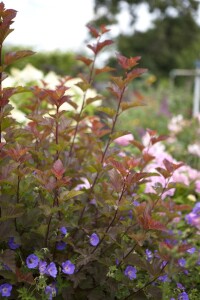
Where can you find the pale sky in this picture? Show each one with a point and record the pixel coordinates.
(58, 25)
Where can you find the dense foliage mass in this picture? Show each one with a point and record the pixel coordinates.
(88, 212)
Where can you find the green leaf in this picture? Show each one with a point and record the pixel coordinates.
(84, 86)
(8, 259)
(12, 212)
(93, 99)
(126, 105)
(69, 195)
(107, 110)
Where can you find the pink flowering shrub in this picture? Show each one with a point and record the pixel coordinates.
(77, 220)
(183, 142)
(185, 175)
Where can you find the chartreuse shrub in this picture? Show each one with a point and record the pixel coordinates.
(76, 220)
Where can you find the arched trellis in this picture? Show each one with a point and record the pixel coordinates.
(191, 73)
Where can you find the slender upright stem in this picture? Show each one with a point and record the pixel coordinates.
(147, 284)
(115, 214)
(0, 91)
(56, 132)
(91, 75)
(105, 150)
(18, 188)
(109, 139)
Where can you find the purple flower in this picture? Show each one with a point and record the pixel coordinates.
(12, 245)
(130, 272)
(5, 267)
(32, 261)
(51, 291)
(164, 278)
(163, 264)
(5, 289)
(196, 208)
(136, 203)
(63, 231)
(180, 286)
(68, 267)
(61, 245)
(94, 240)
(42, 267)
(183, 296)
(191, 250)
(193, 218)
(51, 270)
(182, 262)
(149, 255)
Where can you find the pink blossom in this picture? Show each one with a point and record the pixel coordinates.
(197, 186)
(124, 140)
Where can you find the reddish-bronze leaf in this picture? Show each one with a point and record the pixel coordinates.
(163, 172)
(104, 29)
(93, 48)
(115, 179)
(151, 132)
(182, 207)
(148, 223)
(25, 277)
(94, 32)
(85, 60)
(11, 57)
(134, 74)
(168, 165)
(118, 166)
(115, 90)
(138, 145)
(58, 169)
(103, 70)
(127, 63)
(158, 139)
(147, 157)
(18, 154)
(103, 44)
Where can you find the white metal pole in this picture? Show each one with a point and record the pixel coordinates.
(196, 98)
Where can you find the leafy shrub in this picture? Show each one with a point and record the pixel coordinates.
(76, 222)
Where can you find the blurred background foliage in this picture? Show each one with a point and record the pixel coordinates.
(62, 63)
(172, 41)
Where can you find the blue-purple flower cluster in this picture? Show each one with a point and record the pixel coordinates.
(130, 272)
(94, 240)
(5, 289)
(50, 269)
(193, 218)
(61, 245)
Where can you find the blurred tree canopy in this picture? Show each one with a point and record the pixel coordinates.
(172, 42)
